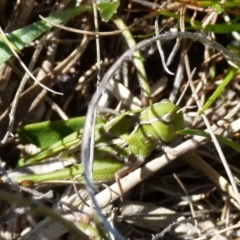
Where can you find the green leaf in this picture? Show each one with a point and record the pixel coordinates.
(47, 133)
(221, 139)
(220, 88)
(107, 8)
(22, 37)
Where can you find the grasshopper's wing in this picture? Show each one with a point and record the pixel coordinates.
(53, 150)
(107, 135)
(110, 138)
(104, 135)
(123, 124)
(67, 145)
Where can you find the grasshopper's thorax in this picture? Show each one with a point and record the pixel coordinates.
(165, 120)
(141, 132)
(157, 125)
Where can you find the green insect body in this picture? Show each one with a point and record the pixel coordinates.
(130, 135)
(154, 126)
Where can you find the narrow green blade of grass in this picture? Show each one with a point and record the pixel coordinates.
(137, 58)
(220, 88)
(22, 37)
(216, 28)
(221, 139)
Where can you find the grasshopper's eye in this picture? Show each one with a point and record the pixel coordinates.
(167, 118)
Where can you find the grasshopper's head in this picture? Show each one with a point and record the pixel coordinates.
(166, 120)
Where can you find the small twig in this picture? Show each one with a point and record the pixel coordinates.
(76, 190)
(160, 47)
(55, 107)
(94, 33)
(208, 125)
(25, 68)
(22, 84)
(211, 16)
(179, 75)
(189, 201)
(186, 193)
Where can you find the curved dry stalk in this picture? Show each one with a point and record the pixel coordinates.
(160, 50)
(28, 97)
(22, 84)
(91, 33)
(25, 67)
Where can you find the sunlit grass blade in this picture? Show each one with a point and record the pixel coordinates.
(220, 88)
(221, 139)
(194, 24)
(22, 37)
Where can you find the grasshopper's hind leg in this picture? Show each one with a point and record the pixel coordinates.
(124, 171)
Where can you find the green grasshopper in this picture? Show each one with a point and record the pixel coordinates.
(129, 136)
